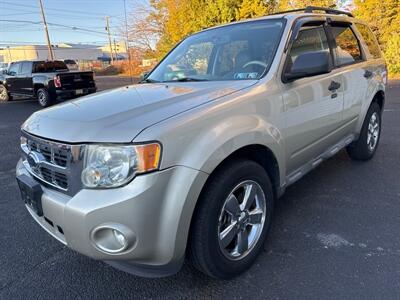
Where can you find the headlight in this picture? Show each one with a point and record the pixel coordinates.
(113, 166)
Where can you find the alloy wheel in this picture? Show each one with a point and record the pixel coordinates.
(241, 220)
(373, 132)
(42, 98)
(3, 93)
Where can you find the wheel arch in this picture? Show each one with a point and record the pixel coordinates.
(36, 87)
(260, 154)
(379, 98)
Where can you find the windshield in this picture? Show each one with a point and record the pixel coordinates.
(234, 52)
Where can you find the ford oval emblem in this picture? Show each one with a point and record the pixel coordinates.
(33, 160)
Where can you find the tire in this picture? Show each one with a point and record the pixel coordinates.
(44, 97)
(206, 249)
(365, 147)
(4, 95)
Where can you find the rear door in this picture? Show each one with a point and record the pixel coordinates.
(375, 72)
(351, 63)
(25, 78)
(312, 109)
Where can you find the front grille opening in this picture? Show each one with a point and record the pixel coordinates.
(56, 155)
(55, 162)
(61, 180)
(53, 177)
(60, 230)
(49, 221)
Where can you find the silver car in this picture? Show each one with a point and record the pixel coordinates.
(188, 163)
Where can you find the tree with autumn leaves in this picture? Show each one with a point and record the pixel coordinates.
(383, 16)
(160, 26)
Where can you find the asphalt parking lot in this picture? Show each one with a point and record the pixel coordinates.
(335, 234)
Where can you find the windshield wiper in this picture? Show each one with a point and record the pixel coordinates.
(148, 80)
(186, 79)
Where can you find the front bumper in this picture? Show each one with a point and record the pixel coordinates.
(156, 207)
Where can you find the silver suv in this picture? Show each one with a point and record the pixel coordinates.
(188, 163)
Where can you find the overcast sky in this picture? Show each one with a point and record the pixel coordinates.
(20, 20)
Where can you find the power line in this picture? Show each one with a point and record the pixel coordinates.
(19, 14)
(20, 21)
(54, 48)
(53, 9)
(60, 25)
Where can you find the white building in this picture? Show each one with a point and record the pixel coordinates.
(78, 52)
(118, 49)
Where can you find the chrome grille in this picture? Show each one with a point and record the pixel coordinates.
(57, 165)
(56, 155)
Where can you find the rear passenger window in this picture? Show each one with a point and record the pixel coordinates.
(370, 40)
(26, 68)
(309, 39)
(347, 47)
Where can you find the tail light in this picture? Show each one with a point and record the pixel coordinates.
(57, 81)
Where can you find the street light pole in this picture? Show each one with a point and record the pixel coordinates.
(51, 55)
(109, 38)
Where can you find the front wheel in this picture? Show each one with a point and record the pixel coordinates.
(4, 96)
(44, 98)
(232, 220)
(364, 148)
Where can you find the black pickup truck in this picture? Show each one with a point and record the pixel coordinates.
(44, 80)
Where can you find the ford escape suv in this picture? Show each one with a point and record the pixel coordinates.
(188, 163)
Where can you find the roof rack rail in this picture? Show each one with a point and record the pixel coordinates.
(311, 9)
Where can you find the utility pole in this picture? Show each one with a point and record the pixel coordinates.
(127, 43)
(51, 55)
(109, 38)
(9, 54)
(115, 50)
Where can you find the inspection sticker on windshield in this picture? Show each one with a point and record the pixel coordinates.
(252, 75)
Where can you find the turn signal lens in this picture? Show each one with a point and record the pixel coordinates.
(148, 157)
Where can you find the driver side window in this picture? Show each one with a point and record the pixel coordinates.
(14, 69)
(309, 39)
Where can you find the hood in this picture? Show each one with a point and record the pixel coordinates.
(119, 115)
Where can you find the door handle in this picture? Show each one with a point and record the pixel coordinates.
(368, 74)
(334, 86)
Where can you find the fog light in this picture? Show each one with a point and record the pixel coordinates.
(113, 238)
(119, 237)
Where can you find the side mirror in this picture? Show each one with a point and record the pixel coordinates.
(309, 64)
